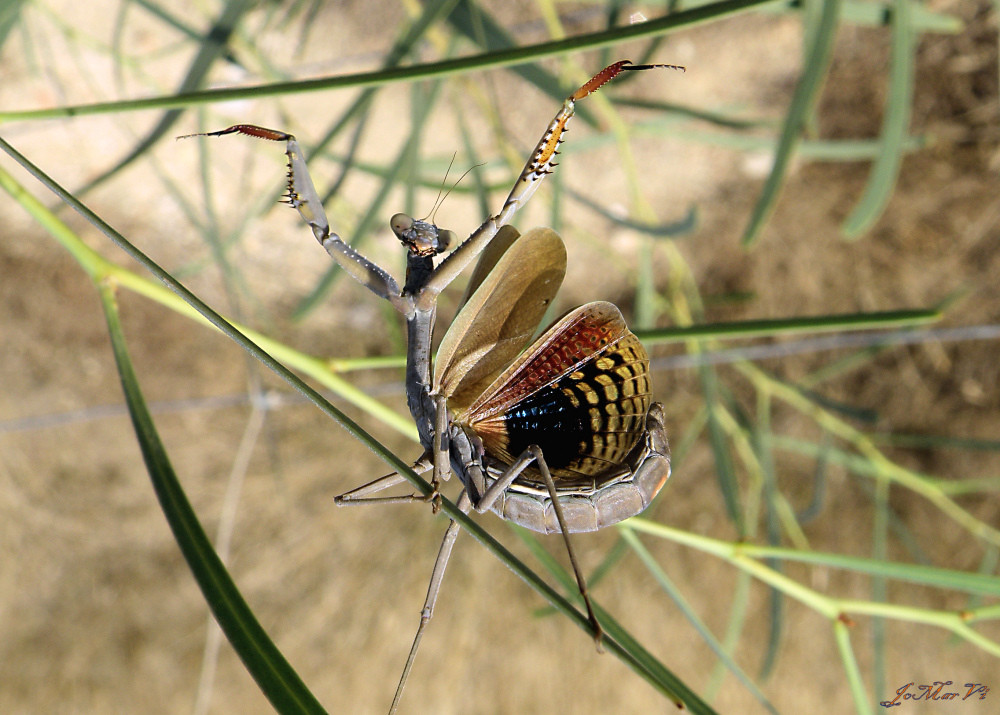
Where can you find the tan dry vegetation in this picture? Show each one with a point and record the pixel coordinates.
(99, 613)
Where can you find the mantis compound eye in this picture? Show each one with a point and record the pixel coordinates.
(446, 238)
(421, 237)
(400, 224)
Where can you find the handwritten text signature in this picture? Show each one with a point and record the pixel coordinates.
(933, 692)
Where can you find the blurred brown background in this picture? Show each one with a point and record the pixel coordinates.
(99, 613)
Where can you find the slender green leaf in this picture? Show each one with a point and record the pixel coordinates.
(444, 68)
(842, 636)
(277, 679)
(896, 122)
(725, 472)
(10, 15)
(805, 96)
(689, 612)
(820, 323)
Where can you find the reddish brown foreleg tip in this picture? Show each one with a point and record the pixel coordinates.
(250, 130)
(601, 78)
(611, 71)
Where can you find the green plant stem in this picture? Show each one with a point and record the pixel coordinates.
(279, 682)
(883, 465)
(792, 326)
(444, 68)
(745, 557)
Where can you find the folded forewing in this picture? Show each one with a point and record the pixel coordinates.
(501, 315)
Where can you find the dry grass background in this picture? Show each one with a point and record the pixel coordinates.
(98, 612)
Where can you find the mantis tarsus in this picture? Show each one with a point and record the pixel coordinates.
(563, 438)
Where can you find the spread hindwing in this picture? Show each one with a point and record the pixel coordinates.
(581, 393)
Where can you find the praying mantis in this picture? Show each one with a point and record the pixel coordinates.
(560, 438)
